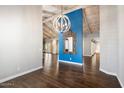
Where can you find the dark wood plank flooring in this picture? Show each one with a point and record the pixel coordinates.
(65, 75)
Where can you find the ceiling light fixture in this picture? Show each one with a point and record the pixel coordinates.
(61, 23)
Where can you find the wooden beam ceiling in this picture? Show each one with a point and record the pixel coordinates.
(75, 7)
(48, 32)
(90, 22)
(47, 35)
(50, 28)
(49, 12)
(86, 22)
(92, 16)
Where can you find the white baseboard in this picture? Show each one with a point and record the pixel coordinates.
(120, 81)
(111, 73)
(70, 62)
(20, 74)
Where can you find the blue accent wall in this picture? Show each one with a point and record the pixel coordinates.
(76, 18)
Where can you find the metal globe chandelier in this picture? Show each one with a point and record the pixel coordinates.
(61, 23)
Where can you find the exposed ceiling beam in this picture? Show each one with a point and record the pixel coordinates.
(49, 32)
(49, 26)
(46, 36)
(50, 29)
(46, 33)
(46, 30)
(48, 12)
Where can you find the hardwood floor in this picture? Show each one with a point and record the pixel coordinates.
(65, 75)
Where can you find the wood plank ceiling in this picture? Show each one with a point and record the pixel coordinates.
(90, 22)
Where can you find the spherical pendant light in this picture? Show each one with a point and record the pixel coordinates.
(61, 23)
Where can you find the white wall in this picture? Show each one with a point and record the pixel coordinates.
(111, 38)
(20, 40)
(108, 38)
(121, 44)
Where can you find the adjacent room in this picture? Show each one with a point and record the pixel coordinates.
(61, 46)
